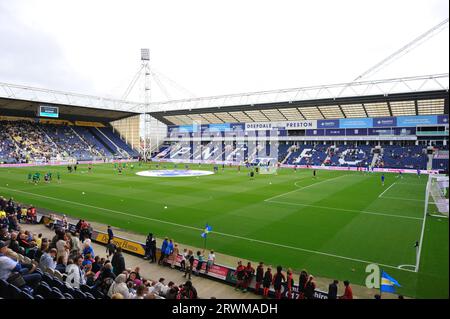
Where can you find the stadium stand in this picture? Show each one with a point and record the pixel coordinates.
(26, 141)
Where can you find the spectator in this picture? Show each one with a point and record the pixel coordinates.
(148, 244)
(302, 280)
(310, 288)
(259, 277)
(88, 248)
(164, 245)
(88, 260)
(172, 293)
(333, 289)
(239, 273)
(75, 245)
(97, 264)
(47, 260)
(89, 275)
(188, 291)
(75, 274)
(60, 265)
(174, 255)
(189, 263)
(278, 279)
(110, 234)
(119, 286)
(290, 283)
(38, 241)
(110, 248)
(211, 261)
(14, 244)
(165, 289)
(348, 293)
(118, 262)
(140, 292)
(183, 260)
(8, 267)
(267, 281)
(249, 272)
(105, 278)
(200, 259)
(63, 248)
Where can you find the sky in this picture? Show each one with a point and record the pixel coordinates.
(213, 47)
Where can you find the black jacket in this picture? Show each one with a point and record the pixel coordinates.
(332, 291)
(118, 263)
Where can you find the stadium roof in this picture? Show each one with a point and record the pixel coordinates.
(400, 96)
(396, 97)
(24, 108)
(18, 100)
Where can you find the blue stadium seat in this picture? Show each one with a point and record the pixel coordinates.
(25, 295)
(85, 288)
(3, 288)
(78, 294)
(43, 290)
(68, 296)
(56, 294)
(47, 278)
(89, 295)
(13, 292)
(98, 294)
(59, 284)
(38, 297)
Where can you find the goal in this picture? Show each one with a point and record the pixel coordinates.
(436, 197)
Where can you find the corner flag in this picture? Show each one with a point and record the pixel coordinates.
(388, 283)
(206, 231)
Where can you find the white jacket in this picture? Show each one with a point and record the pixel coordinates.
(75, 276)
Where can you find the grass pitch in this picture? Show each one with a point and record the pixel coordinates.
(332, 225)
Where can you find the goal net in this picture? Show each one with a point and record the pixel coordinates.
(436, 198)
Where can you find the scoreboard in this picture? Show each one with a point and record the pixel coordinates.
(48, 111)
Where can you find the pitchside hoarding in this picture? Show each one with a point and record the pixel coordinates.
(285, 125)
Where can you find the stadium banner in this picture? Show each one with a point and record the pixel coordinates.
(356, 131)
(328, 123)
(356, 123)
(384, 121)
(319, 132)
(125, 244)
(65, 162)
(442, 119)
(335, 132)
(286, 125)
(417, 120)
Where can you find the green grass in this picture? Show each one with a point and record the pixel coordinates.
(333, 226)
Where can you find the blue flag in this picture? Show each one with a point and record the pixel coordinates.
(388, 283)
(206, 231)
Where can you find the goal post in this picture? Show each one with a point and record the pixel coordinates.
(436, 197)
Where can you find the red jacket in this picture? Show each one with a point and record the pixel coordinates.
(348, 293)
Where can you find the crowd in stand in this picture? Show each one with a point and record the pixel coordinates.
(25, 141)
(73, 258)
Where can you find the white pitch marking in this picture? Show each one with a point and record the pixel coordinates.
(218, 233)
(346, 210)
(295, 190)
(440, 216)
(402, 198)
(386, 190)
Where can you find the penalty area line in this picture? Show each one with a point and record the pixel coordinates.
(379, 196)
(215, 232)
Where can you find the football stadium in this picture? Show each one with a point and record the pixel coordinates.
(332, 191)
